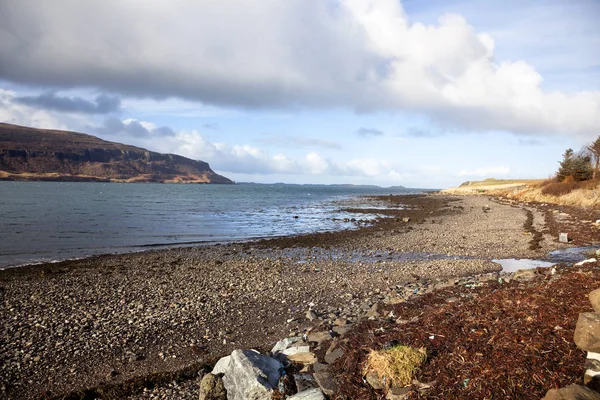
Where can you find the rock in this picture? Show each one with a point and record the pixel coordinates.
(212, 388)
(310, 394)
(373, 311)
(563, 237)
(331, 356)
(303, 358)
(587, 332)
(406, 219)
(396, 393)
(592, 370)
(290, 351)
(318, 367)
(374, 381)
(249, 375)
(524, 274)
(284, 344)
(595, 299)
(221, 365)
(319, 336)
(311, 315)
(588, 261)
(572, 392)
(340, 322)
(326, 383)
(305, 382)
(341, 330)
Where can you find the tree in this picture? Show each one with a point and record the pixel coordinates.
(594, 150)
(578, 167)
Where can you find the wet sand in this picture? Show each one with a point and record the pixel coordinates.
(116, 318)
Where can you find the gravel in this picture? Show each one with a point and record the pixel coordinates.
(109, 319)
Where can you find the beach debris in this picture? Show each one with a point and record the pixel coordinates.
(212, 388)
(589, 260)
(395, 366)
(249, 375)
(563, 237)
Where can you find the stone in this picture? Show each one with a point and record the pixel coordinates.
(249, 375)
(290, 351)
(592, 369)
(406, 219)
(524, 274)
(340, 322)
(563, 237)
(374, 381)
(331, 356)
(284, 344)
(587, 332)
(221, 365)
(319, 336)
(310, 394)
(326, 383)
(212, 388)
(311, 315)
(398, 393)
(572, 392)
(341, 330)
(305, 382)
(595, 299)
(588, 261)
(373, 311)
(303, 358)
(319, 367)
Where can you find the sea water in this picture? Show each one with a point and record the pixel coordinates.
(48, 221)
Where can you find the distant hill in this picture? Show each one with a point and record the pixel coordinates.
(42, 154)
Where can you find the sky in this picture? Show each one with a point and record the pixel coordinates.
(415, 93)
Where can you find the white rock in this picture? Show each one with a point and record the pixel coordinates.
(284, 344)
(290, 351)
(589, 260)
(250, 375)
(221, 365)
(310, 394)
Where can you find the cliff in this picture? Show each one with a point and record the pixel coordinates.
(41, 154)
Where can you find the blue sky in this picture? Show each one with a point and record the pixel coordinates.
(413, 93)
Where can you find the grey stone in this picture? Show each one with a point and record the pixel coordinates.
(212, 388)
(249, 375)
(587, 332)
(341, 330)
(319, 367)
(311, 315)
(221, 365)
(396, 393)
(572, 392)
(319, 336)
(524, 274)
(374, 381)
(595, 300)
(305, 382)
(331, 356)
(406, 219)
(310, 394)
(563, 237)
(326, 383)
(373, 312)
(290, 351)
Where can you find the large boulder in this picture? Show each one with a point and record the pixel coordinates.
(587, 332)
(249, 375)
(595, 300)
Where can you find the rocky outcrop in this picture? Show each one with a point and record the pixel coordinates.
(39, 154)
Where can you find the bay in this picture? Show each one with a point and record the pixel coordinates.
(50, 221)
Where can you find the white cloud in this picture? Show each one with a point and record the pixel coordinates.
(361, 54)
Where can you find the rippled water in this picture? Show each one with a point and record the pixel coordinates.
(45, 221)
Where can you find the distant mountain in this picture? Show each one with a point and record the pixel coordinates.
(51, 155)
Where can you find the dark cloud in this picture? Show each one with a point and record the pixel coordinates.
(365, 132)
(114, 126)
(103, 104)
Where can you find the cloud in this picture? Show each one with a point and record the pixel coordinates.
(113, 126)
(496, 172)
(365, 132)
(293, 142)
(103, 104)
(364, 55)
(211, 126)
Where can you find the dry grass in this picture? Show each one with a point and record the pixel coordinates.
(395, 366)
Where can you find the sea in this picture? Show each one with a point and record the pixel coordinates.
(53, 221)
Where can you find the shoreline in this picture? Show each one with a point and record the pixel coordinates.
(110, 319)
